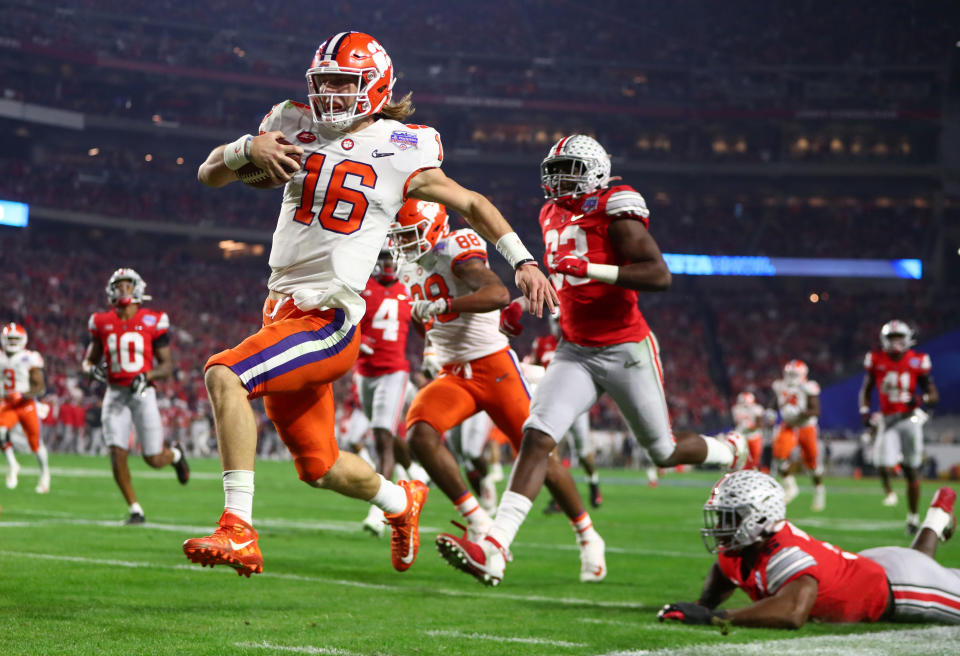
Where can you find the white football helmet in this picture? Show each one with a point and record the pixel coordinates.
(13, 338)
(744, 508)
(139, 287)
(746, 398)
(795, 371)
(576, 165)
(896, 337)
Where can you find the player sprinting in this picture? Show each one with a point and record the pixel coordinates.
(128, 339)
(356, 164)
(798, 400)
(748, 421)
(458, 299)
(21, 385)
(792, 577)
(904, 384)
(600, 255)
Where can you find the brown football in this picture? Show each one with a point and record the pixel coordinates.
(253, 175)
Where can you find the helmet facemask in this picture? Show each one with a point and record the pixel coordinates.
(385, 270)
(354, 104)
(137, 295)
(410, 243)
(744, 508)
(13, 338)
(575, 166)
(896, 337)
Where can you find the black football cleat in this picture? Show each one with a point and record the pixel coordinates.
(182, 468)
(135, 518)
(596, 498)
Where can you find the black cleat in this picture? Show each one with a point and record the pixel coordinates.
(595, 497)
(135, 518)
(182, 468)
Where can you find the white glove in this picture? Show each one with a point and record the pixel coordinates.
(431, 363)
(790, 413)
(423, 311)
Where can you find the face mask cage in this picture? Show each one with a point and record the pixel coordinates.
(13, 342)
(725, 528)
(385, 270)
(355, 104)
(409, 243)
(563, 176)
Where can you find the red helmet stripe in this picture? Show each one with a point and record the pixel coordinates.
(560, 145)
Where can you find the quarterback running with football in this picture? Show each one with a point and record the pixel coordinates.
(347, 162)
(904, 386)
(22, 384)
(131, 337)
(792, 577)
(600, 255)
(458, 299)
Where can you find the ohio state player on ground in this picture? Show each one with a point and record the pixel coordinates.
(798, 400)
(903, 382)
(21, 384)
(793, 577)
(600, 255)
(129, 338)
(353, 165)
(747, 419)
(458, 298)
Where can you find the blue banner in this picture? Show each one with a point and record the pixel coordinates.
(750, 265)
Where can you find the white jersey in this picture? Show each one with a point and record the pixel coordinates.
(15, 369)
(747, 417)
(793, 399)
(456, 336)
(337, 208)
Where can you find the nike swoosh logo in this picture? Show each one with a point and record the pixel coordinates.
(502, 377)
(575, 217)
(632, 363)
(409, 557)
(377, 153)
(598, 571)
(238, 547)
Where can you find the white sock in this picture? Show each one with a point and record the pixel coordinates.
(471, 511)
(418, 473)
(135, 509)
(11, 457)
(390, 498)
(41, 455)
(176, 454)
(913, 518)
(238, 493)
(367, 458)
(583, 528)
(653, 474)
(936, 520)
(400, 473)
(513, 509)
(718, 453)
(594, 478)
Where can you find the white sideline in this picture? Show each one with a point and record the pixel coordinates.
(483, 636)
(566, 601)
(932, 641)
(297, 650)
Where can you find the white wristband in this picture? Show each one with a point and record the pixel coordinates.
(864, 409)
(603, 272)
(237, 154)
(513, 250)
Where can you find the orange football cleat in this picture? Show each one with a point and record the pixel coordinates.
(405, 540)
(234, 543)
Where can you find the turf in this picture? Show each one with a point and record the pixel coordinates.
(73, 580)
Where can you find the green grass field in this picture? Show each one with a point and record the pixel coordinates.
(73, 580)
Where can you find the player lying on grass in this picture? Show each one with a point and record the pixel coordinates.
(793, 577)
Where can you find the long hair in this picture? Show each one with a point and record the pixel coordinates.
(399, 110)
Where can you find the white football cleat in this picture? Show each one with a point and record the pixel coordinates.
(12, 476)
(819, 499)
(374, 523)
(790, 489)
(593, 564)
(741, 451)
(43, 485)
(485, 561)
(891, 499)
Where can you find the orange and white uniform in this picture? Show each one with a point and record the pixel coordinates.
(793, 399)
(15, 369)
(333, 221)
(747, 418)
(480, 371)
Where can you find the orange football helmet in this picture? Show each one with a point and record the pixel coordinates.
(418, 227)
(795, 371)
(349, 54)
(13, 337)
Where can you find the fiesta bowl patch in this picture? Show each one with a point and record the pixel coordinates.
(403, 140)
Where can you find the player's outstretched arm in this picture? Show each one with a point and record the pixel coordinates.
(164, 367)
(717, 588)
(268, 151)
(480, 213)
(863, 398)
(931, 395)
(488, 292)
(38, 385)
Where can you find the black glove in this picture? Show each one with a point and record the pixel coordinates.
(690, 613)
(139, 384)
(99, 372)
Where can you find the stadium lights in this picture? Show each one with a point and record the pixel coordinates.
(758, 265)
(93, 152)
(14, 214)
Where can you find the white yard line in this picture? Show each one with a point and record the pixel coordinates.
(483, 636)
(933, 641)
(293, 649)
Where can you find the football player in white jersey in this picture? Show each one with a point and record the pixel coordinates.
(748, 421)
(22, 384)
(799, 402)
(458, 299)
(347, 164)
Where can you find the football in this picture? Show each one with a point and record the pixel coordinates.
(253, 175)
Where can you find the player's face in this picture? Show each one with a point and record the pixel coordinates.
(336, 85)
(563, 167)
(897, 344)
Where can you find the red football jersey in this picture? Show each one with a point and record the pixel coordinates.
(851, 588)
(543, 349)
(128, 345)
(593, 313)
(384, 328)
(896, 379)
